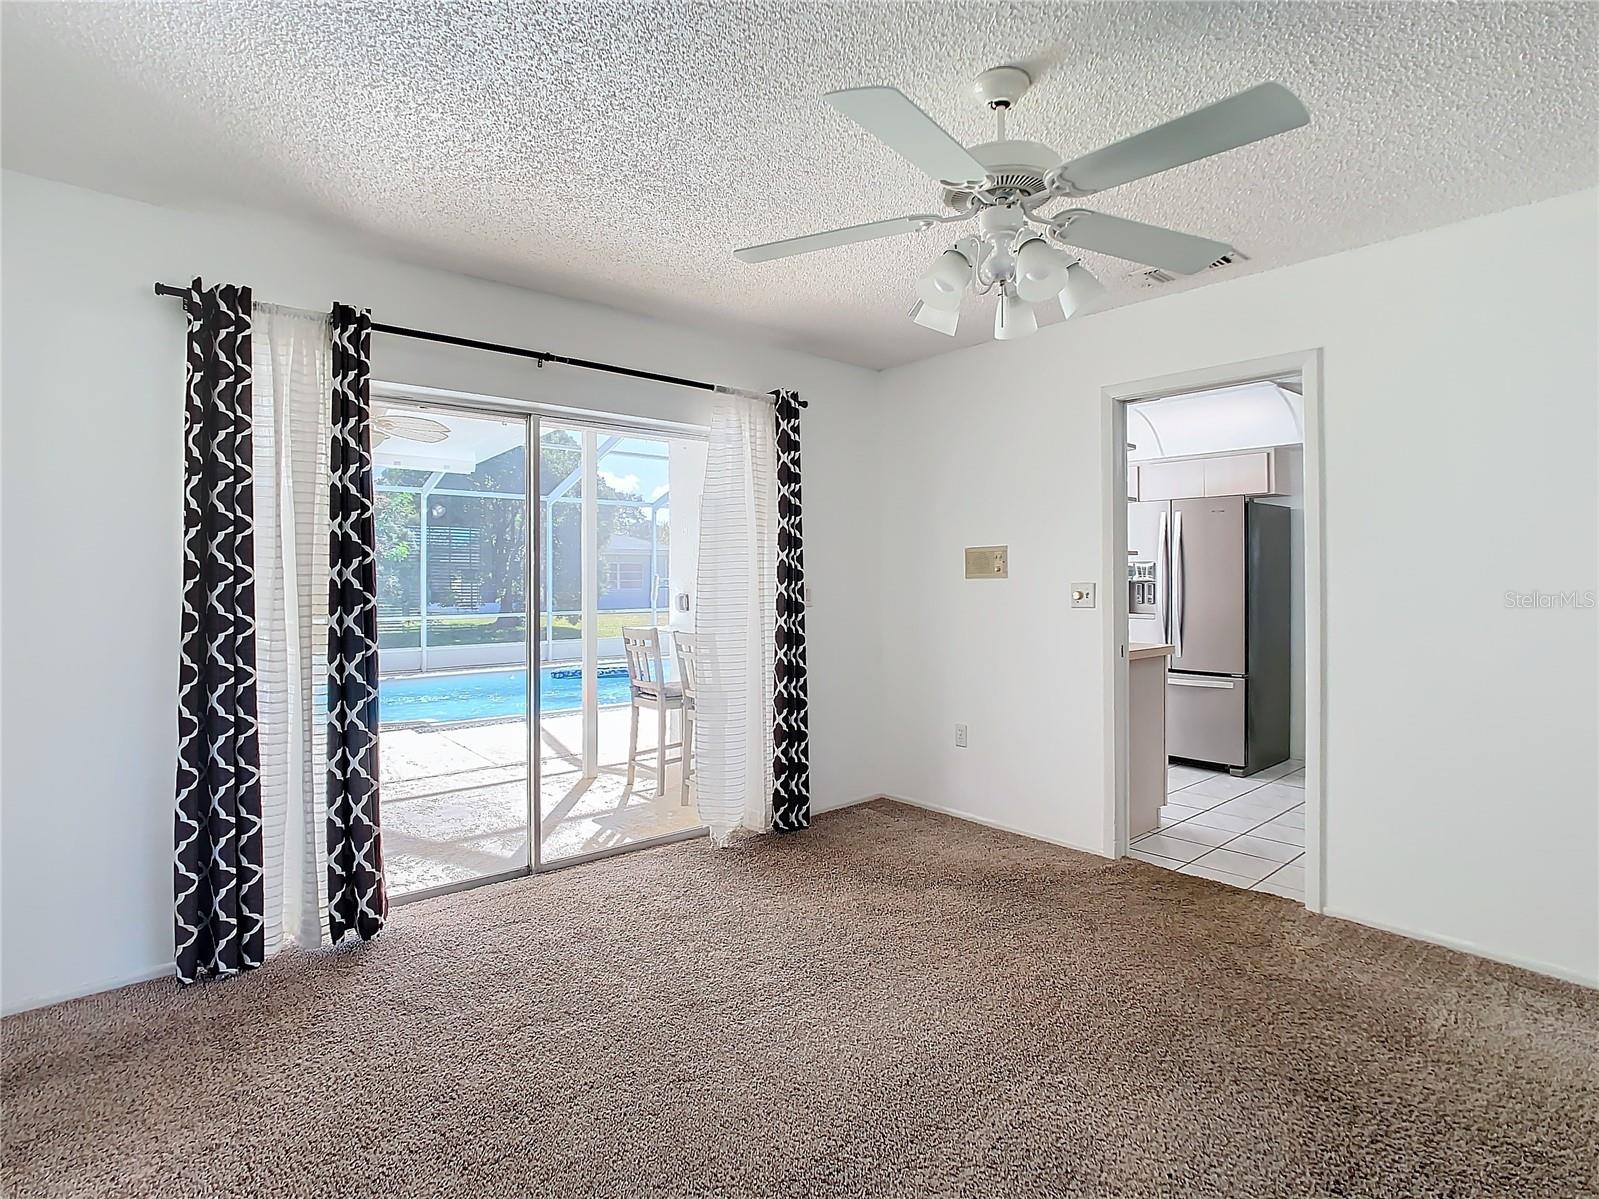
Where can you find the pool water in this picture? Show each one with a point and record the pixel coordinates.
(490, 694)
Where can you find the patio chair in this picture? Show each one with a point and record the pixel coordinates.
(687, 646)
(646, 674)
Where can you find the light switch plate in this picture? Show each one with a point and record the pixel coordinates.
(1083, 595)
(987, 562)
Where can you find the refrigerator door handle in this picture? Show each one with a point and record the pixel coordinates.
(1175, 680)
(1163, 581)
(1178, 583)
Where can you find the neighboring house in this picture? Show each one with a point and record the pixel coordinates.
(627, 565)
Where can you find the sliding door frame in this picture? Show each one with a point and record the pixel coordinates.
(532, 612)
(535, 416)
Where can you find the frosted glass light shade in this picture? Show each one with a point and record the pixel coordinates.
(1041, 271)
(941, 284)
(938, 319)
(1081, 290)
(1014, 318)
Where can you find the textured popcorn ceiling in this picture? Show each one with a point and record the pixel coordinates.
(619, 152)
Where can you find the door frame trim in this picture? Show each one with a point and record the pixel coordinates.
(1116, 397)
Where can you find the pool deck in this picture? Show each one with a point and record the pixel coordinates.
(455, 797)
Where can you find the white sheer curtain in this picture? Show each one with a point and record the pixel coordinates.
(736, 620)
(293, 389)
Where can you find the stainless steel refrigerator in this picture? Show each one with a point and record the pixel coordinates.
(1210, 577)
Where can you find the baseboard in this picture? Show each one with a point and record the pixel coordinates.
(164, 970)
(989, 822)
(1469, 947)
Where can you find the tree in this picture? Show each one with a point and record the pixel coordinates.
(398, 523)
(498, 526)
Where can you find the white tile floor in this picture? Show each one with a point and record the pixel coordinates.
(1246, 832)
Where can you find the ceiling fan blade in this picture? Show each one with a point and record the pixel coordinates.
(1262, 111)
(892, 117)
(849, 235)
(1135, 241)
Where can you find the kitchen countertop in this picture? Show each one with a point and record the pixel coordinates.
(1146, 649)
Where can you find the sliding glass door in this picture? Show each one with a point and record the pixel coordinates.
(453, 528)
(476, 580)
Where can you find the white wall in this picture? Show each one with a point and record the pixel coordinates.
(1460, 785)
(1461, 778)
(92, 422)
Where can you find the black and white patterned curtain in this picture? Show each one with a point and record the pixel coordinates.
(218, 877)
(791, 738)
(357, 897)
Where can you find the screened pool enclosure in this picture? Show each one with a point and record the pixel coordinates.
(452, 551)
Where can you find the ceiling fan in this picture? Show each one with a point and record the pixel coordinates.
(407, 428)
(1017, 249)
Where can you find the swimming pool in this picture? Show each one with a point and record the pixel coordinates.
(490, 694)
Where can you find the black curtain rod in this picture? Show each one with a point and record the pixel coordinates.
(540, 356)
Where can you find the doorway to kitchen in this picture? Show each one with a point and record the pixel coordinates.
(505, 539)
(1215, 625)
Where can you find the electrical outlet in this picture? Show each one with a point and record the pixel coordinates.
(960, 736)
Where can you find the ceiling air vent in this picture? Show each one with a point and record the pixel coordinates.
(1155, 276)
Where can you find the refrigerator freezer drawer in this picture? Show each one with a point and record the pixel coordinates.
(1205, 718)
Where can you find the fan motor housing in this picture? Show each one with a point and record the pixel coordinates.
(1017, 167)
(1001, 87)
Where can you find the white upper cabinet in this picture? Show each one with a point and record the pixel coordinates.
(1239, 474)
(1252, 473)
(1179, 480)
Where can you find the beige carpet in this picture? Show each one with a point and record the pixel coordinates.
(895, 1004)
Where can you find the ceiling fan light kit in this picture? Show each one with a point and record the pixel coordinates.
(1019, 252)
